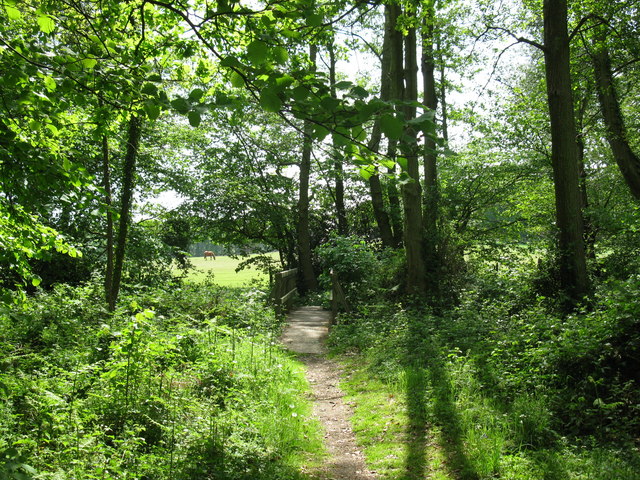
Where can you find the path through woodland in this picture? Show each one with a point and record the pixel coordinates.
(306, 331)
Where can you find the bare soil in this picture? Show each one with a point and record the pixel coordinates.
(306, 331)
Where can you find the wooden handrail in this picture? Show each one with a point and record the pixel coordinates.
(284, 289)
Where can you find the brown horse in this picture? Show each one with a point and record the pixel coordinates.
(208, 253)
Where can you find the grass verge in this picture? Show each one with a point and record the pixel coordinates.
(423, 410)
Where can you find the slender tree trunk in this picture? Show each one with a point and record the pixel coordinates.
(617, 137)
(307, 275)
(375, 185)
(396, 92)
(128, 179)
(564, 153)
(338, 172)
(411, 191)
(377, 195)
(589, 231)
(106, 180)
(430, 156)
(443, 99)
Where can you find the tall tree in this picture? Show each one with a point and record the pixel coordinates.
(411, 190)
(617, 135)
(430, 155)
(308, 276)
(126, 198)
(338, 170)
(564, 153)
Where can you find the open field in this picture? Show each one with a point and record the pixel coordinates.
(223, 269)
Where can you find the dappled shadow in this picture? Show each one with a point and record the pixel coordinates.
(426, 369)
(446, 416)
(417, 427)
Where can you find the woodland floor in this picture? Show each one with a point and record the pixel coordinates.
(306, 331)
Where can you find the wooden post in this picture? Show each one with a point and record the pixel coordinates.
(338, 298)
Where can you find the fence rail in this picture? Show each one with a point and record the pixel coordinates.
(284, 288)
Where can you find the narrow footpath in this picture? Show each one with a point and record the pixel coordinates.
(305, 334)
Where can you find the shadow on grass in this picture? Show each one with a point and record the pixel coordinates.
(426, 369)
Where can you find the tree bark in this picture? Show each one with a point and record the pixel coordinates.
(564, 154)
(108, 200)
(377, 195)
(411, 191)
(128, 181)
(627, 160)
(338, 171)
(430, 156)
(375, 185)
(589, 231)
(307, 275)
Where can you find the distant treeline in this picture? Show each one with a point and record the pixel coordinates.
(197, 249)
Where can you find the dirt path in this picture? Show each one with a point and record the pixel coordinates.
(305, 334)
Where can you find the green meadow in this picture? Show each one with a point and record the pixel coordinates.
(223, 270)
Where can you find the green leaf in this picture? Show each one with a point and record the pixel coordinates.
(402, 161)
(320, 132)
(339, 139)
(149, 89)
(230, 62)
(152, 110)
(359, 92)
(46, 23)
(367, 172)
(314, 20)
(89, 63)
(300, 94)
(194, 118)
(50, 83)
(280, 55)
(387, 162)
(181, 105)
(35, 281)
(12, 12)
(257, 51)
(196, 94)
(270, 101)
(236, 79)
(391, 126)
(359, 133)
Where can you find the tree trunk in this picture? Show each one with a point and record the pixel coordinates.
(338, 173)
(430, 156)
(375, 186)
(564, 153)
(627, 160)
(377, 195)
(589, 231)
(106, 181)
(307, 275)
(443, 99)
(411, 191)
(128, 178)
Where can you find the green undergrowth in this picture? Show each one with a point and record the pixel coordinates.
(182, 383)
(482, 392)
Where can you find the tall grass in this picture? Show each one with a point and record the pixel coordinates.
(187, 383)
(427, 408)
